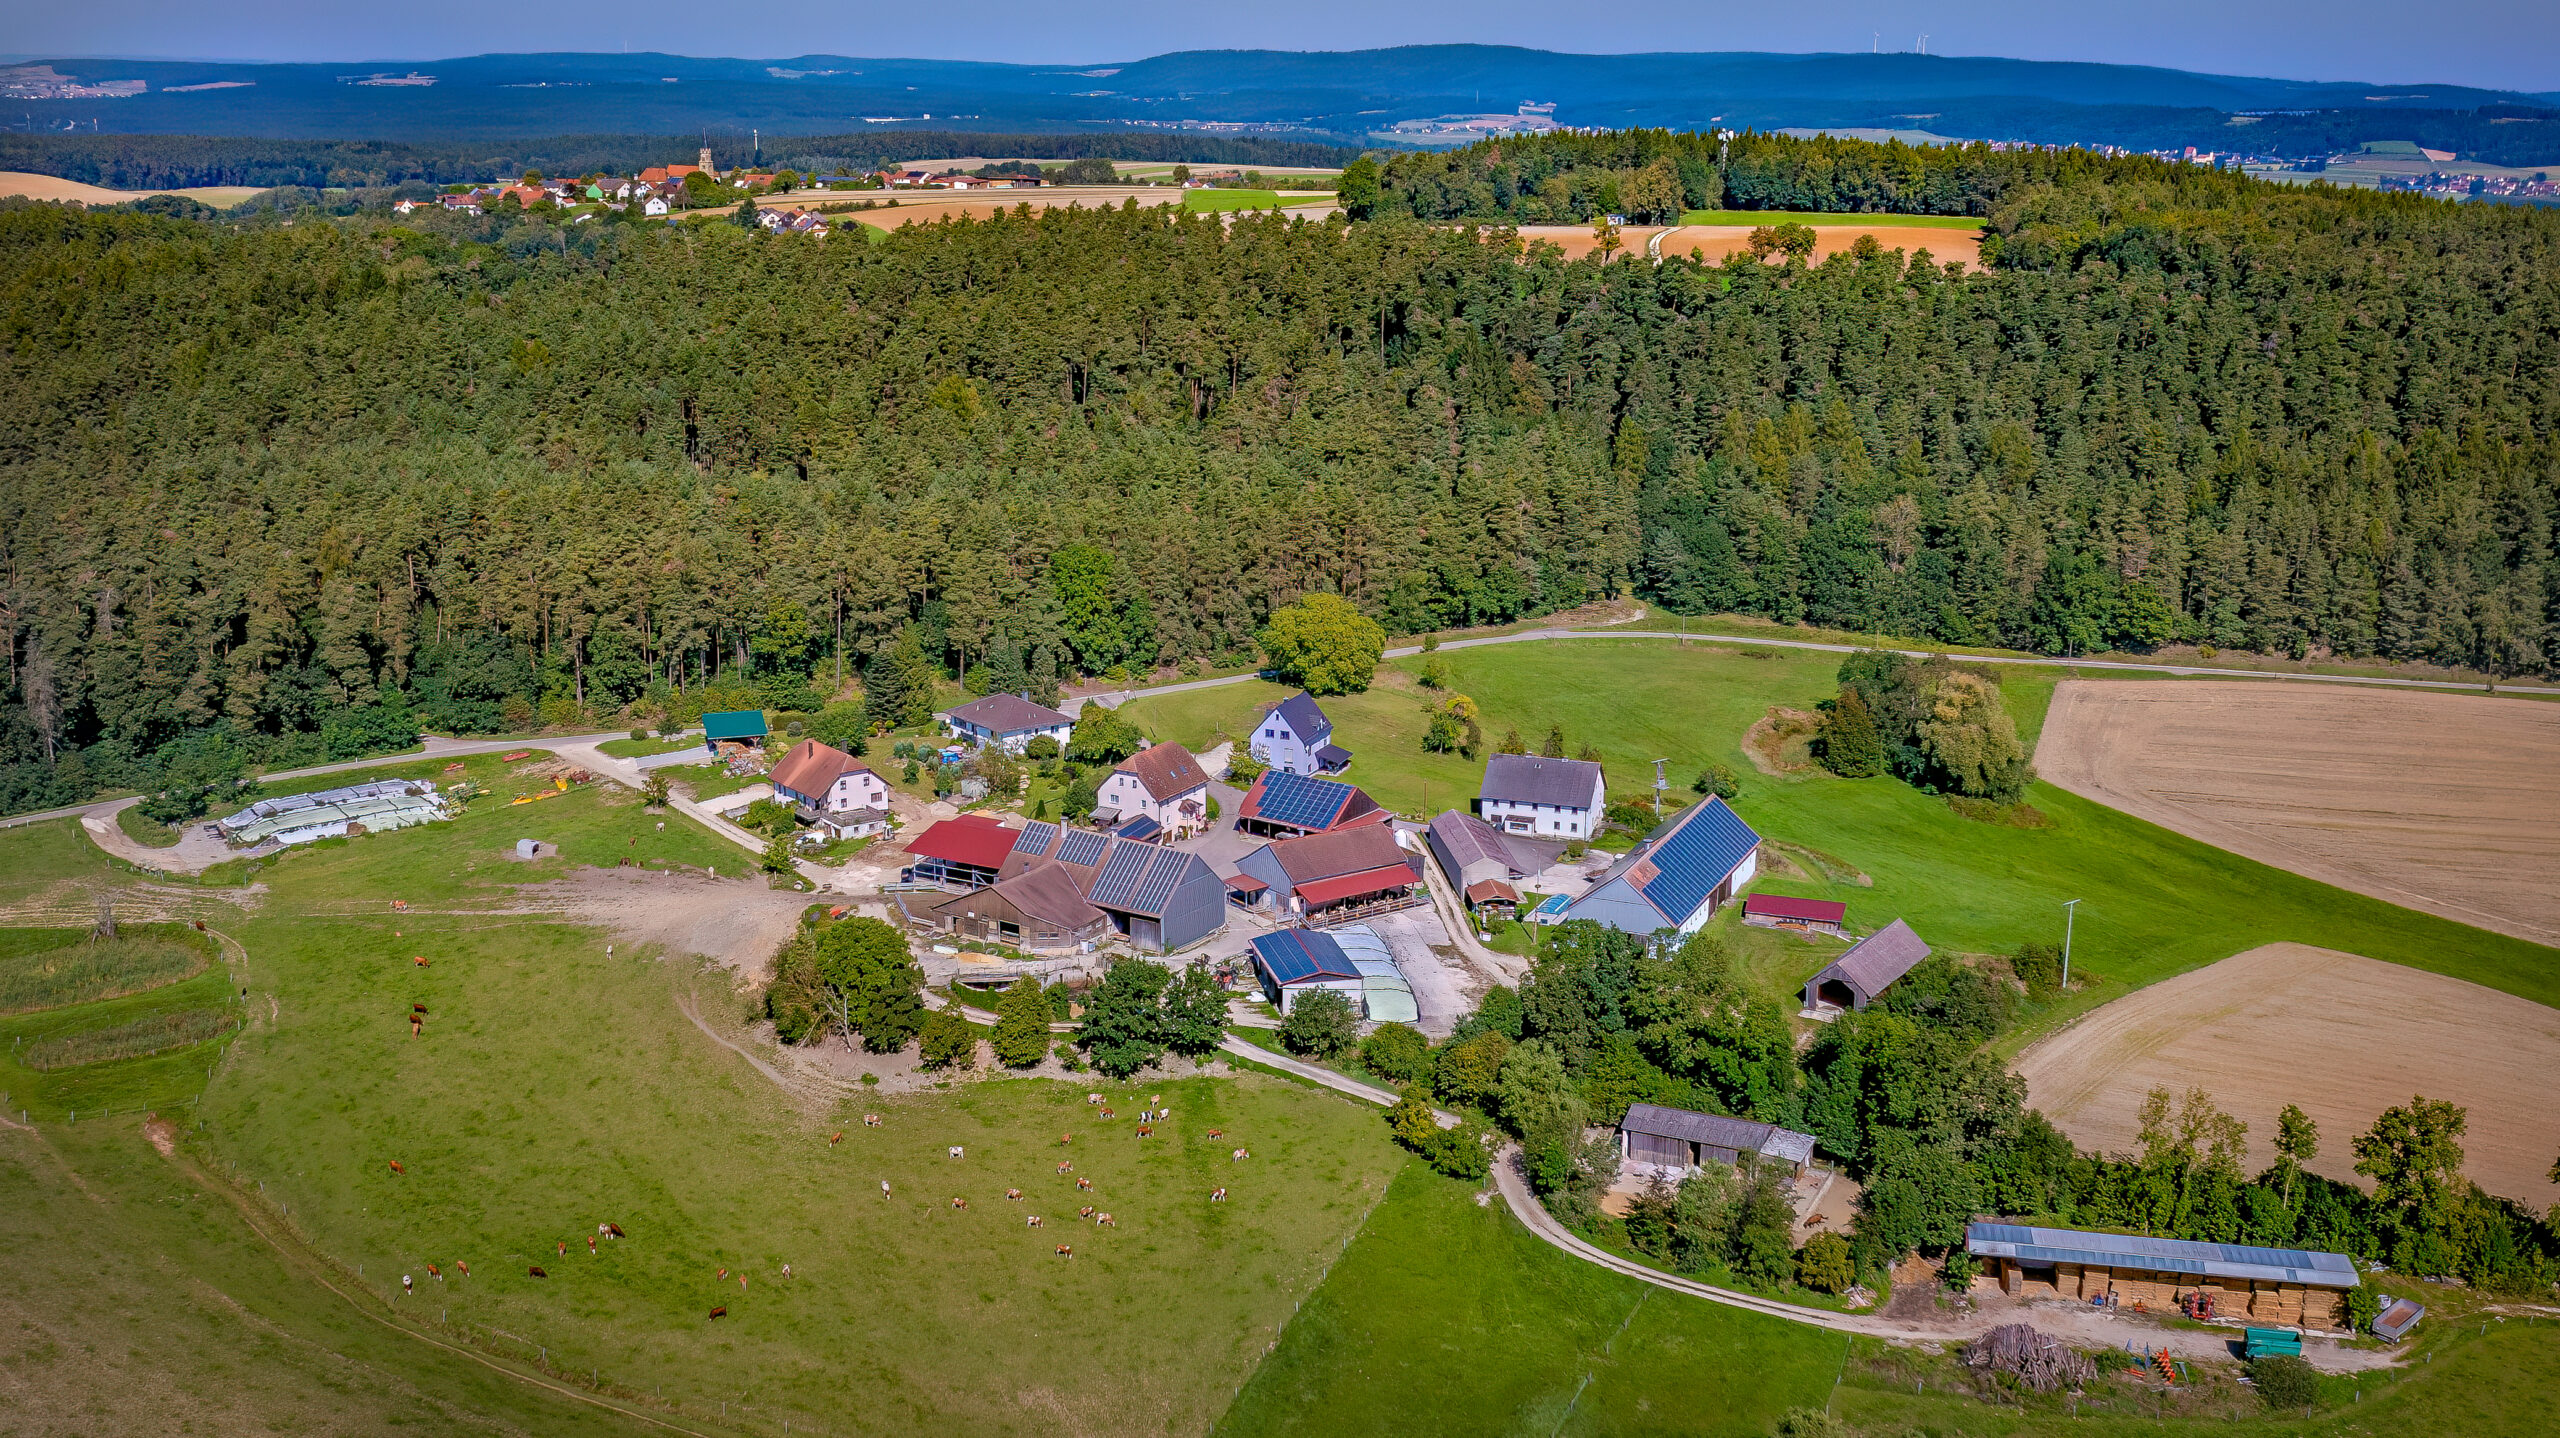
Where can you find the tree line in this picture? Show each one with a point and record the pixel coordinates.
(277, 474)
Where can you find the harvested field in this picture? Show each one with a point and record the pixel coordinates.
(1714, 242)
(2341, 1035)
(50, 187)
(2437, 802)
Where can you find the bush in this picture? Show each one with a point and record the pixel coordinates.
(638, 734)
(1320, 1025)
(1823, 1264)
(1810, 1423)
(1041, 748)
(948, 1040)
(1636, 817)
(1397, 1053)
(2039, 967)
(1959, 1272)
(1716, 781)
(2285, 1381)
(1469, 1071)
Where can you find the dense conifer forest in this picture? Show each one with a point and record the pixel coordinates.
(267, 476)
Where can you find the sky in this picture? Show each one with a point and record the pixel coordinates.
(2508, 44)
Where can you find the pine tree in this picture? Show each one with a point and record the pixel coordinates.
(1022, 1025)
(1553, 748)
(1851, 748)
(1044, 676)
(1005, 674)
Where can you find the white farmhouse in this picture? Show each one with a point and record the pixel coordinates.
(1541, 797)
(832, 790)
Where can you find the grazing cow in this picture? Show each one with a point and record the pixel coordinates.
(742, 1281)
(463, 1268)
(1104, 1220)
(723, 1273)
(564, 1248)
(1106, 1113)
(395, 1166)
(414, 1028)
(610, 1230)
(435, 1273)
(957, 1151)
(1013, 1193)
(406, 1286)
(786, 1270)
(536, 1272)
(421, 961)
(839, 1138)
(884, 1188)
(1093, 1098)
(1085, 1212)
(1155, 1098)
(591, 1245)
(1066, 1168)
(1083, 1184)
(417, 1008)
(1217, 1133)
(1239, 1156)
(1144, 1131)
(1066, 1251)
(871, 1120)
(720, 1312)
(958, 1202)
(1070, 1138)
(1031, 1221)
(1218, 1195)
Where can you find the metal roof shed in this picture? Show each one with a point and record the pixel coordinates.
(1855, 978)
(738, 726)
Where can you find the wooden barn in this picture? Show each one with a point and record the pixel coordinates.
(2273, 1287)
(1853, 980)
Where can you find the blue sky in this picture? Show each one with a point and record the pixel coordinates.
(2503, 43)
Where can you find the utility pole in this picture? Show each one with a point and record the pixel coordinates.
(1658, 786)
(2070, 911)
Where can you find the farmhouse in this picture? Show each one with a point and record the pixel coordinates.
(1295, 737)
(1352, 961)
(1159, 899)
(2286, 1287)
(1282, 804)
(1686, 869)
(1337, 875)
(1682, 1139)
(1771, 911)
(1157, 791)
(742, 728)
(1853, 980)
(962, 853)
(1480, 860)
(1551, 798)
(1006, 719)
(832, 790)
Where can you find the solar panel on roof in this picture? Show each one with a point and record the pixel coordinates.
(1035, 837)
(1120, 876)
(1695, 857)
(1301, 802)
(1082, 846)
(1157, 886)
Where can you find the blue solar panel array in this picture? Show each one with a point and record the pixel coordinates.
(1157, 886)
(1120, 876)
(1082, 846)
(1035, 838)
(1695, 856)
(1294, 954)
(1301, 802)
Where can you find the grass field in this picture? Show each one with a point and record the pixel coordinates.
(141, 828)
(2153, 903)
(1210, 201)
(1809, 217)
(637, 748)
(49, 968)
(1447, 1316)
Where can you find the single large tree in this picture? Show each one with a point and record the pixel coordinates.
(1324, 645)
(1022, 1025)
(2297, 1143)
(872, 983)
(1195, 1012)
(1124, 1020)
(1320, 1025)
(2413, 1154)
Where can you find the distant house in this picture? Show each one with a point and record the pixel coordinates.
(1159, 899)
(1550, 798)
(654, 205)
(1294, 737)
(1282, 804)
(1770, 911)
(1853, 980)
(743, 727)
(1006, 719)
(963, 853)
(1678, 1138)
(1163, 785)
(1352, 961)
(1336, 874)
(1481, 861)
(1685, 870)
(832, 790)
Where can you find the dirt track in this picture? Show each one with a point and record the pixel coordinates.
(2437, 802)
(2341, 1035)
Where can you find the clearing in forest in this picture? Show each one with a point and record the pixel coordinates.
(2438, 802)
(2341, 1035)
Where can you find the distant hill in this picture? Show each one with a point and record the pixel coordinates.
(1344, 97)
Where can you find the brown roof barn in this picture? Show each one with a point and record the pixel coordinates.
(1855, 978)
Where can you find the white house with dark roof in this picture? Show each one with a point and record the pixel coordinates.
(1295, 737)
(1548, 798)
(1695, 863)
(1006, 719)
(1162, 785)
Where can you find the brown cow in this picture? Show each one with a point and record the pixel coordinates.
(1217, 1133)
(1013, 1193)
(871, 1120)
(720, 1312)
(395, 1166)
(1104, 1220)
(462, 1267)
(1083, 1184)
(1217, 1195)
(1068, 1137)
(1031, 1221)
(1085, 1212)
(1066, 1168)
(536, 1272)
(1066, 1251)
(839, 1138)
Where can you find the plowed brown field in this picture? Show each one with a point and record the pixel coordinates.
(2445, 803)
(2341, 1035)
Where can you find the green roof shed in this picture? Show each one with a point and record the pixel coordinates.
(740, 724)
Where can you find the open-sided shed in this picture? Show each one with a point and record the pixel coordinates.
(1853, 980)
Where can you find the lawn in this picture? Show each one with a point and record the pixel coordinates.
(141, 828)
(1809, 217)
(2153, 904)
(706, 782)
(1446, 1316)
(1211, 201)
(638, 748)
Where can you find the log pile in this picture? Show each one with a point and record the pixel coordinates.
(2038, 1361)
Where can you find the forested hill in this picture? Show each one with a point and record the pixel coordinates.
(268, 475)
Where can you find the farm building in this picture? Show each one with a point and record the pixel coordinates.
(1550, 798)
(1008, 720)
(1353, 961)
(1280, 805)
(2287, 1287)
(1339, 875)
(1041, 909)
(1773, 911)
(1160, 790)
(743, 728)
(962, 853)
(1682, 1139)
(1853, 980)
(1159, 899)
(1480, 860)
(1295, 737)
(374, 808)
(1687, 868)
(832, 790)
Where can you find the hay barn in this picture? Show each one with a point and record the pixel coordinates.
(2276, 1287)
